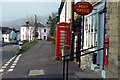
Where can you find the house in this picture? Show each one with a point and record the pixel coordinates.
(8, 34)
(0, 34)
(101, 23)
(27, 31)
(43, 32)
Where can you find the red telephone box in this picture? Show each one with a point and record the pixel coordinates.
(106, 49)
(62, 37)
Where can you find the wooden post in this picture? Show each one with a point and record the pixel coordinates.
(35, 27)
(72, 31)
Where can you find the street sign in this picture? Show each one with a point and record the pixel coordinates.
(83, 8)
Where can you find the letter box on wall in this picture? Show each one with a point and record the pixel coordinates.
(62, 37)
(106, 49)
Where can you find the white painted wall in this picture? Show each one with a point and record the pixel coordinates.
(62, 15)
(31, 33)
(67, 5)
(6, 37)
(42, 33)
(23, 33)
(27, 33)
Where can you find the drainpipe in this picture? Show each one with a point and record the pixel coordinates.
(72, 30)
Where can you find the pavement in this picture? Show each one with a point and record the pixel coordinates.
(38, 62)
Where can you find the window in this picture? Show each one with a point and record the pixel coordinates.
(90, 31)
(44, 37)
(44, 30)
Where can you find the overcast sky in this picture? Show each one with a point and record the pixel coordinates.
(15, 10)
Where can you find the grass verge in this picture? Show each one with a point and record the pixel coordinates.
(26, 46)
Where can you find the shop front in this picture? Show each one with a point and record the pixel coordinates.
(94, 30)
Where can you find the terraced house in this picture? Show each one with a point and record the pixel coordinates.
(27, 31)
(101, 25)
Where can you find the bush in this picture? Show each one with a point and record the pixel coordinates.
(25, 46)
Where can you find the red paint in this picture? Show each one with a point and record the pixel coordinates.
(106, 49)
(83, 8)
(58, 37)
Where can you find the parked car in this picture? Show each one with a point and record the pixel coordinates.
(14, 42)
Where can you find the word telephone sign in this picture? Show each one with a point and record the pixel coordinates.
(62, 37)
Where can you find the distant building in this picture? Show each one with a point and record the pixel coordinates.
(27, 31)
(9, 34)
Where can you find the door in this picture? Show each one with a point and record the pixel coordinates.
(100, 43)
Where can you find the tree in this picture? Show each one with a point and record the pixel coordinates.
(53, 25)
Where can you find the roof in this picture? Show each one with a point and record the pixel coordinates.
(6, 30)
(61, 7)
(33, 25)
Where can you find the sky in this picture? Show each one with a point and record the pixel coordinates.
(16, 10)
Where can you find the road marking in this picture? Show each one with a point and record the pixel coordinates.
(3, 67)
(36, 72)
(12, 66)
(14, 63)
(6, 64)
(12, 58)
(10, 70)
(1, 70)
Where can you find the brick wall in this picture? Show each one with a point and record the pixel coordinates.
(112, 32)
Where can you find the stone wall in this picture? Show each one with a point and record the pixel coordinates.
(119, 39)
(112, 32)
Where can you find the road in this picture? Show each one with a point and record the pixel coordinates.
(8, 52)
(38, 62)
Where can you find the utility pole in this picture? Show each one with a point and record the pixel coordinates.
(35, 27)
(72, 31)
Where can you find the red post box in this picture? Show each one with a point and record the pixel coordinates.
(62, 37)
(106, 49)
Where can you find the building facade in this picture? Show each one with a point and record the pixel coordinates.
(101, 23)
(27, 32)
(8, 34)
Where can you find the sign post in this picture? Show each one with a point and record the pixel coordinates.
(82, 8)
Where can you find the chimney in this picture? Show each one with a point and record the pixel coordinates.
(27, 22)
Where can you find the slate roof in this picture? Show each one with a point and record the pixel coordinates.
(6, 30)
(33, 25)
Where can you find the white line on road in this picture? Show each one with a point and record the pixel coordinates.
(1, 70)
(10, 70)
(14, 63)
(12, 66)
(5, 65)
(8, 62)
